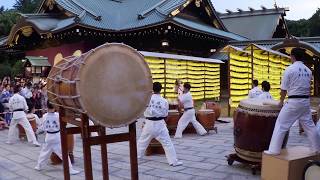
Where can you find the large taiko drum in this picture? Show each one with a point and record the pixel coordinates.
(253, 128)
(112, 84)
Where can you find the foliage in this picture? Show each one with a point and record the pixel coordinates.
(17, 69)
(314, 22)
(7, 19)
(5, 70)
(305, 28)
(27, 6)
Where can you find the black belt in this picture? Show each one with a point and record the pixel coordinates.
(52, 132)
(298, 97)
(155, 118)
(18, 110)
(186, 109)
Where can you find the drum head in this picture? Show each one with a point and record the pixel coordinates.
(312, 171)
(115, 85)
(267, 105)
(205, 110)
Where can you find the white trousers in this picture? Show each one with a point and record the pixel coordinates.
(26, 126)
(187, 117)
(52, 144)
(293, 110)
(159, 131)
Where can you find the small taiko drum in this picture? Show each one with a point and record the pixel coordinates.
(311, 171)
(112, 84)
(314, 118)
(154, 147)
(206, 118)
(253, 127)
(215, 107)
(172, 121)
(22, 132)
(55, 158)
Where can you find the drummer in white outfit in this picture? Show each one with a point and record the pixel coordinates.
(255, 91)
(189, 114)
(52, 140)
(18, 105)
(296, 82)
(155, 127)
(265, 95)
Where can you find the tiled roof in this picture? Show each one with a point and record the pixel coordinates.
(254, 24)
(38, 61)
(118, 15)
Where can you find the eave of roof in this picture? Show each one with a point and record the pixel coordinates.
(207, 29)
(280, 11)
(180, 57)
(38, 61)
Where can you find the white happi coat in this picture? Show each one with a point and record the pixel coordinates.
(18, 105)
(51, 126)
(296, 81)
(188, 116)
(265, 96)
(254, 92)
(157, 129)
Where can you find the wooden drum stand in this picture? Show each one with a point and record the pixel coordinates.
(88, 141)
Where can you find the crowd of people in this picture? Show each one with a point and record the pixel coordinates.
(23, 103)
(35, 95)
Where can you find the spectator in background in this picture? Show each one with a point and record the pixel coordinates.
(44, 97)
(36, 99)
(5, 96)
(255, 91)
(265, 91)
(27, 93)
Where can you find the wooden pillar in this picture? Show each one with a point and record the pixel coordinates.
(229, 86)
(133, 151)
(104, 155)
(64, 144)
(86, 147)
(316, 77)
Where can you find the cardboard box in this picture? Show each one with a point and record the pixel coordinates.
(288, 165)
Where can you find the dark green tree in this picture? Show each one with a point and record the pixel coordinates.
(7, 19)
(314, 24)
(27, 6)
(305, 28)
(17, 69)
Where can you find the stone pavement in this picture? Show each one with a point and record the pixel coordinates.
(203, 158)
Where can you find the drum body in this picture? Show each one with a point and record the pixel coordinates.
(154, 147)
(314, 119)
(253, 128)
(172, 121)
(215, 107)
(206, 118)
(55, 158)
(112, 84)
(22, 132)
